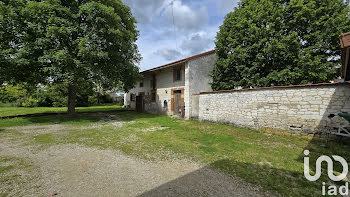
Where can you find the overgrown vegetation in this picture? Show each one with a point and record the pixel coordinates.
(53, 95)
(270, 159)
(280, 42)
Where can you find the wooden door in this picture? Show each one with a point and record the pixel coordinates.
(177, 103)
(139, 103)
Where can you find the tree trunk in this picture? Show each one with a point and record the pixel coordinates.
(72, 95)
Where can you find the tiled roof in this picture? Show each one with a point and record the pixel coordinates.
(179, 61)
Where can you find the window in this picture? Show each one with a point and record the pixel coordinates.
(153, 96)
(153, 82)
(177, 74)
(132, 97)
(141, 84)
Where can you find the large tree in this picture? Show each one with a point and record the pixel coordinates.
(280, 42)
(66, 41)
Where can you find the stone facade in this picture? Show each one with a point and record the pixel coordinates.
(292, 108)
(199, 81)
(164, 84)
(194, 79)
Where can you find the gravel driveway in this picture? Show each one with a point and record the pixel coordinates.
(76, 170)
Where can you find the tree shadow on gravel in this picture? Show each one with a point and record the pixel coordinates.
(221, 178)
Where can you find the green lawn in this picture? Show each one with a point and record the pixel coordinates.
(13, 111)
(272, 160)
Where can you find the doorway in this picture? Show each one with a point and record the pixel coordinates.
(177, 104)
(140, 107)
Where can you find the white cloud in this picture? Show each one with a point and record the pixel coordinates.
(197, 43)
(145, 10)
(185, 18)
(169, 54)
(153, 56)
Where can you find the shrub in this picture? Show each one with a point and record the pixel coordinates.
(11, 93)
(30, 102)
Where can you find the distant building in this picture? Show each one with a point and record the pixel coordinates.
(117, 97)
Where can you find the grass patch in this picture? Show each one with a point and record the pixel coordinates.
(13, 111)
(79, 118)
(5, 168)
(273, 161)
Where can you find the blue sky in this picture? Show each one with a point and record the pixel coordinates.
(196, 24)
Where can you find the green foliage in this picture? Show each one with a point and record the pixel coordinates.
(280, 42)
(30, 102)
(69, 42)
(12, 93)
(100, 98)
(52, 95)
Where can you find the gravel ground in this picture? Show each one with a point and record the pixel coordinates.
(75, 170)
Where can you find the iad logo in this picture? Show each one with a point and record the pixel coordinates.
(329, 164)
(332, 190)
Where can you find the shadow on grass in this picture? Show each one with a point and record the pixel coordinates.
(64, 118)
(60, 113)
(78, 117)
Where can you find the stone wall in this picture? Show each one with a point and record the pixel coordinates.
(292, 108)
(199, 81)
(194, 106)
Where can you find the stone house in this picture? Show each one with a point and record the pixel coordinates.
(173, 88)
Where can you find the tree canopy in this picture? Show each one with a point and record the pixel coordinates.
(280, 42)
(68, 41)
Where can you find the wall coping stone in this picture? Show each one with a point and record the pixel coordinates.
(277, 87)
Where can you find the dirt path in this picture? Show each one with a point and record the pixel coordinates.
(76, 170)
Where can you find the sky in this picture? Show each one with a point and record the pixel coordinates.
(174, 29)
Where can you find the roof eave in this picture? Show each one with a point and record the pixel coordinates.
(178, 62)
(164, 66)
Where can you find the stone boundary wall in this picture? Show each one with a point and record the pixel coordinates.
(301, 108)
